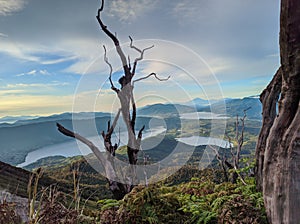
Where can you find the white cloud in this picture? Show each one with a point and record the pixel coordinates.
(7, 7)
(34, 73)
(22, 86)
(57, 61)
(18, 50)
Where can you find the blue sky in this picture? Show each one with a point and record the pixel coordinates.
(52, 57)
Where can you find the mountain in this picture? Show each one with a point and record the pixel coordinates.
(164, 110)
(13, 119)
(200, 103)
(24, 136)
(23, 120)
(20, 138)
(235, 106)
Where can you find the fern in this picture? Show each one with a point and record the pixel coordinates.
(207, 217)
(108, 204)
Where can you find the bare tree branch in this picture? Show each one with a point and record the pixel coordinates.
(141, 56)
(133, 117)
(110, 131)
(107, 137)
(87, 142)
(110, 71)
(114, 39)
(129, 63)
(151, 74)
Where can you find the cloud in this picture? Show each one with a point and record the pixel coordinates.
(35, 85)
(127, 11)
(18, 50)
(3, 35)
(11, 92)
(34, 73)
(7, 7)
(60, 60)
(235, 44)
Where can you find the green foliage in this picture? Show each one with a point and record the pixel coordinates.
(223, 203)
(197, 201)
(108, 204)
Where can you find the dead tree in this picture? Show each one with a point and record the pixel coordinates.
(125, 95)
(278, 148)
(233, 163)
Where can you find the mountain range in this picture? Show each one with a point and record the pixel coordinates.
(229, 107)
(30, 133)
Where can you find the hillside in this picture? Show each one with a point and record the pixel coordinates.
(164, 110)
(15, 180)
(237, 106)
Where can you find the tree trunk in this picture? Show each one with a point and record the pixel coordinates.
(269, 98)
(278, 149)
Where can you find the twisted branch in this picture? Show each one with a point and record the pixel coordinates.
(141, 56)
(113, 38)
(110, 71)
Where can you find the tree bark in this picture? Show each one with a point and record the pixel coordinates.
(269, 99)
(278, 151)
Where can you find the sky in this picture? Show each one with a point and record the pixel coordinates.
(51, 51)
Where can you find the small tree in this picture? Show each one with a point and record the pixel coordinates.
(125, 95)
(233, 163)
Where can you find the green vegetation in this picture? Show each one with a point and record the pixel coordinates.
(197, 201)
(71, 191)
(189, 196)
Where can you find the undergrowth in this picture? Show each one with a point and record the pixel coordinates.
(198, 201)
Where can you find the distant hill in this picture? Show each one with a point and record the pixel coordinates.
(237, 106)
(24, 136)
(164, 110)
(20, 138)
(23, 120)
(13, 119)
(200, 103)
(234, 106)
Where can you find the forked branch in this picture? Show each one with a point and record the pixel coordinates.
(141, 54)
(152, 74)
(111, 129)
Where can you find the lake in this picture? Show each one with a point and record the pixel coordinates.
(199, 140)
(71, 148)
(202, 115)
